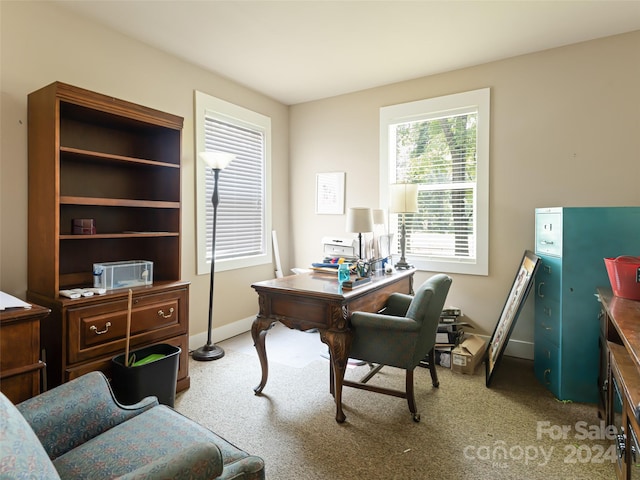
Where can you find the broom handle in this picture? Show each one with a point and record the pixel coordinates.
(126, 348)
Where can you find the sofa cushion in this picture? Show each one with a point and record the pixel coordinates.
(21, 453)
(154, 441)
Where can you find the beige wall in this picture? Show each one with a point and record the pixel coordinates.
(42, 44)
(565, 131)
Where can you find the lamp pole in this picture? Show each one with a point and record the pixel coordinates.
(216, 161)
(211, 351)
(402, 264)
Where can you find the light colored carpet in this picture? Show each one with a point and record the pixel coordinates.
(467, 430)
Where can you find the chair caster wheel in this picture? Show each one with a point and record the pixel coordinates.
(436, 384)
(416, 417)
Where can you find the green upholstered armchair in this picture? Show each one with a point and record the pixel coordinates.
(79, 430)
(400, 336)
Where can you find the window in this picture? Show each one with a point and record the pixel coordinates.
(243, 220)
(441, 144)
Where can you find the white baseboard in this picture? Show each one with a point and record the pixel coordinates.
(515, 348)
(221, 333)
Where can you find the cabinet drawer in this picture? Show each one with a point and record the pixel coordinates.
(100, 328)
(547, 366)
(549, 232)
(547, 320)
(549, 278)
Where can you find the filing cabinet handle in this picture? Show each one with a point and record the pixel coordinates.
(546, 242)
(163, 315)
(540, 294)
(95, 330)
(548, 329)
(544, 375)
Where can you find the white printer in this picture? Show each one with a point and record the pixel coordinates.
(340, 247)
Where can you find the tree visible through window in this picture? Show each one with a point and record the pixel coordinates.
(439, 151)
(440, 156)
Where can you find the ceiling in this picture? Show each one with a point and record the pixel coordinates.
(297, 51)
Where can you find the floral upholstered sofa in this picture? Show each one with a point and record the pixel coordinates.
(78, 430)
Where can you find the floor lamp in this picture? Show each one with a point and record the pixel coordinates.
(359, 219)
(404, 199)
(216, 161)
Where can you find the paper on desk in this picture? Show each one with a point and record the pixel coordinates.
(9, 301)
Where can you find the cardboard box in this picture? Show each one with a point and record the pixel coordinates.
(466, 357)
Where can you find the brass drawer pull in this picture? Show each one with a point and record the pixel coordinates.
(162, 314)
(95, 330)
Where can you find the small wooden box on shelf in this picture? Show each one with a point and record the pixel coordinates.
(94, 157)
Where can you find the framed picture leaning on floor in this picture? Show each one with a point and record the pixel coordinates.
(518, 294)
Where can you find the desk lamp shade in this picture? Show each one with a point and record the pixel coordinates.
(378, 216)
(216, 161)
(359, 219)
(404, 199)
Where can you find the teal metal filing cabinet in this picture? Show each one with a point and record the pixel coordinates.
(572, 243)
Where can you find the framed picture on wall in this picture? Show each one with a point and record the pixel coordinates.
(330, 193)
(518, 294)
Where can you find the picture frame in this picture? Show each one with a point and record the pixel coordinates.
(517, 295)
(330, 193)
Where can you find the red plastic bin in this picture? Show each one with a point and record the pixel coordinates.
(624, 275)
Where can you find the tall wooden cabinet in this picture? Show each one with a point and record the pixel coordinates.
(572, 243)
(92, 156)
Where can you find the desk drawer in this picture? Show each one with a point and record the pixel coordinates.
(100, 329)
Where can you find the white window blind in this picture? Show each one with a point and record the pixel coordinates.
(441, 145)
(440, 156)
(243, 228)
(241, 216)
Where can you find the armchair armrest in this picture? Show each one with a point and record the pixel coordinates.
(199, 461)
(76, 412)
(398, 304)
(376, 321)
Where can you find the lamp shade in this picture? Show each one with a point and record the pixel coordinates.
(378, 216)
(217, 160)
(403, 198)
(359, 219)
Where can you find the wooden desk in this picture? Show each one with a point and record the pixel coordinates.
(620, 377)
(314, 300)
(20, 364)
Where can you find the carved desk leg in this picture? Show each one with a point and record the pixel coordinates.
(339, 343)
(259, 329)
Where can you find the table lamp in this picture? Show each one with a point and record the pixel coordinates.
(216, 161)
(404, 199)
(359, 219)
